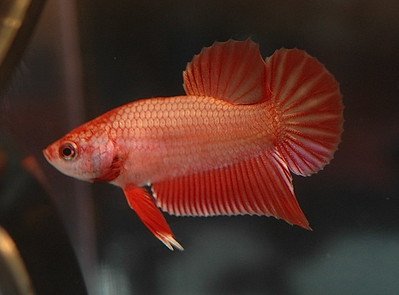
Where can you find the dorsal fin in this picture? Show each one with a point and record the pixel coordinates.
(232, 71)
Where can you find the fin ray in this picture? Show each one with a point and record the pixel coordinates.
(142, 203)
(309, 102)
(258, 186)
(231, 71)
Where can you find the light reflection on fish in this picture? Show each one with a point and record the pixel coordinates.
(225, 148)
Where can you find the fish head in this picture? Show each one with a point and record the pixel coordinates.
(82, 154)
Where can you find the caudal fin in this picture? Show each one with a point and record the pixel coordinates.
(310, 109)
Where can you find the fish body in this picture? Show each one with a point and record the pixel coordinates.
(225, 148)
(160, 138)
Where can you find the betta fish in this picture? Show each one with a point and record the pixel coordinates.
(226, 147)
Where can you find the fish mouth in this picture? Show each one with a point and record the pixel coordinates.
(47, 155)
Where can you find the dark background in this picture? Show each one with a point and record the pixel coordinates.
(135, 49)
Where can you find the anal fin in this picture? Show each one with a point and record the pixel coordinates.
(142, 203)
(259, 186)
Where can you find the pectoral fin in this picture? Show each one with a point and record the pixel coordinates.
(141, 202)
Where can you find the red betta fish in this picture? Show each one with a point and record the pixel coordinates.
(225, 148)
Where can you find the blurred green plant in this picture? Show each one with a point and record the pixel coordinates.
(17, 21)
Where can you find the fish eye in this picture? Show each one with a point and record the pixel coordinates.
(68, 151)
